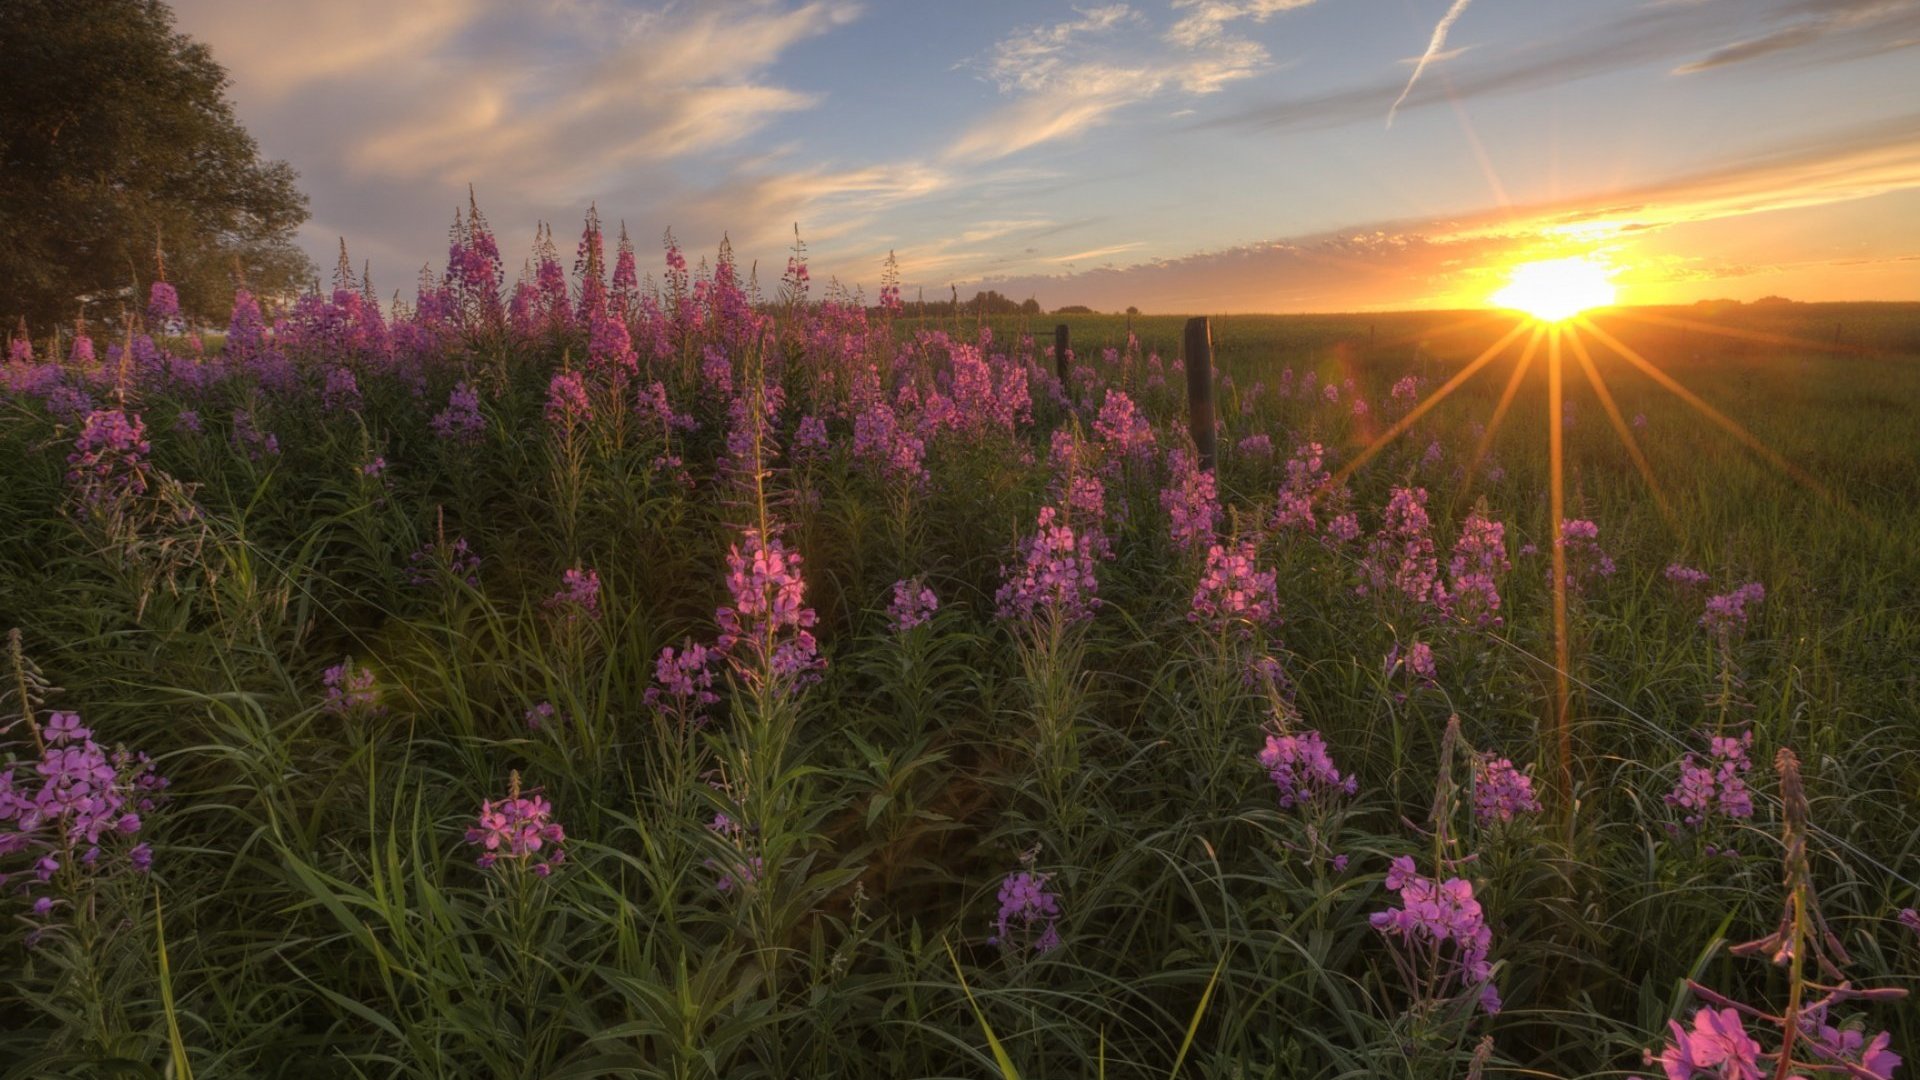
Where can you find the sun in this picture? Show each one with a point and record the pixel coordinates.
(1556, 289)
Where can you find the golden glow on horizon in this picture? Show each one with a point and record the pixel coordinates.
(1555, 290)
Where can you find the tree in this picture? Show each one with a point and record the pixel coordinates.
(117, 138)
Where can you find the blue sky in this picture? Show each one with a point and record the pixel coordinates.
(1181, 155)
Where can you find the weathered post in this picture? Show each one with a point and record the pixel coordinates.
(1200, 387)
(1060, 353)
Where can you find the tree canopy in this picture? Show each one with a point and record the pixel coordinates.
(117, 138)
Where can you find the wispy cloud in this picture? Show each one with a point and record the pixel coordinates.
(1434, 46)
(1657, 34)
(608, 87)
(1854, 25)
(1069, 77)
(1440, 260)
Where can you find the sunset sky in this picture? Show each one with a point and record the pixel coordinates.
(1198, 155)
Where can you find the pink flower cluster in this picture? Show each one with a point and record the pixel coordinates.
(567, 402)
(685, 677)
(740, 869)
(520, 830)
(913, 605)
(1234, 592)
(880, 440)
(1432, 914)
(1029, 915)
(1479, 558)
(768, 629)
(1719, 1048)
(1686, 577)
(1417, 661)
(578, 597)
(340, 391)
(76, 798)
(1500, 791)
(1586, 559)
(1053, 572)
(1401, 556)
(1191, 500)
(1306, 475)
(108, 462)
(163, 305)
(1715, 785)
(1727, 614)
(1120, 426)
(1302, 770)
(461, 421)
(350, 690)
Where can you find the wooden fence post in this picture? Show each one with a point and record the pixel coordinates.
(1200, 387)
(1060, 353)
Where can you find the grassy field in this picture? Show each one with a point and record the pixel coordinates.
(1024, 839)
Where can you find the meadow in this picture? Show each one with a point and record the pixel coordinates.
(674, 678)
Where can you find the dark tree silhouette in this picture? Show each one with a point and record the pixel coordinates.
(116, 137)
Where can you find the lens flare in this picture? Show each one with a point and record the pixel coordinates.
(1556, 289)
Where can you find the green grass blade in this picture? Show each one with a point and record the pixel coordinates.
(1000, 1057)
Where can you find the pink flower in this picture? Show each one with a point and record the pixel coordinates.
(1234, 592)
(567, 402)
(578, 597)
(1053, 572)
(913, 605)
(767, 632)
(1718, 1046)
(520, 830)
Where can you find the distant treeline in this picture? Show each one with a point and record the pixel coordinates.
(991, 302)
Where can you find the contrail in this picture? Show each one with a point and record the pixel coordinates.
(1439, 42)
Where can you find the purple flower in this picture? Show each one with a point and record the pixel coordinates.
(913, 605)
(1910, 919)
(578, 597)
(1686, 577)
(461, 421)
(1029, 915)
(540, 715)
(685, 678)
(1479, 558)
(881, 441)
(1586, 559)
(1500, 791)
(351, 690)
(520, 831)
(1715, 785)
(811, 435)
(1727, 614)
(741, 867)
(163, 305)
(567, 402)
(1442, 934)
(108, 463)
(1302, 770)
(79, 798)
(63, 728)
(1718, 1046)
(767, 632)
(1121, 427)
(1053, 572)
(1191, 500)
(1401, 556)
(1234, 592)
(341, 391)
